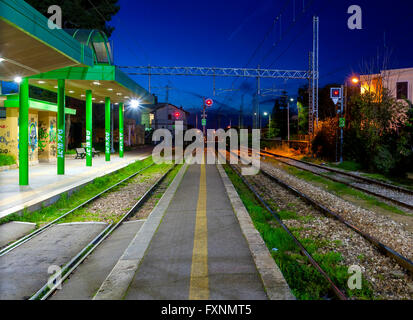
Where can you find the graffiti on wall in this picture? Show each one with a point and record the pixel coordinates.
(4, 139)
(43, 135)
(32, 138)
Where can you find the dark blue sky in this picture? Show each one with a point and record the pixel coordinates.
(225, 33)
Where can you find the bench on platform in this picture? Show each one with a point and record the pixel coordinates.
(80, 153)
(95, 152)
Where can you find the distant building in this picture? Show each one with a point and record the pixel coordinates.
(399, 82)
(163, 116)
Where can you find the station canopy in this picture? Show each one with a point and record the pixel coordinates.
(28, 46)
(83, 58)
(103, 78)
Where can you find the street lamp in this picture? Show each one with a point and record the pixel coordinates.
(288, 117)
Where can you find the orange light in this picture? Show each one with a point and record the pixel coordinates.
(355, 80)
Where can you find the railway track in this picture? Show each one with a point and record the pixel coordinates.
(399, 258)
(57, 279)
(399, 196)
(30, 236)
(337, 292)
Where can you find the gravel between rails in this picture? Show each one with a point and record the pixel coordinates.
(117, 203)
(390, 193)
(387, 278)
(389, 232)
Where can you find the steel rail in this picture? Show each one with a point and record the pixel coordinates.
(30, 236)
(365, 179)
(395, 201)
(400, 259)
(58, 278)
(339, 294)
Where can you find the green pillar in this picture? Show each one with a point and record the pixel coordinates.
(61, 127)
(24, 133)
(89, 154)
(107, 129)
(121, 130)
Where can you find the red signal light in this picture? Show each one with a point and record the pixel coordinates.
(209, 102)
(177, 114)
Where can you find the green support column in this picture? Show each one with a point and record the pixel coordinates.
(24, 133)
(89, 128)
(121, 130)
(61, 127)
(107, 129)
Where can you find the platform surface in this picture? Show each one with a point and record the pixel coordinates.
(198, 248)
(25, 270)
(44, 183)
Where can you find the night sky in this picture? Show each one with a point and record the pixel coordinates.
(225, 33)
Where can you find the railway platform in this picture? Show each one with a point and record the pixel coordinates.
(46, 186)
(198, 244)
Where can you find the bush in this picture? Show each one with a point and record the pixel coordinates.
(6, 160)
(324, 141)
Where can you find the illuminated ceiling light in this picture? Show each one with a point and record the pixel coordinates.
(119, 94)
(134, 104)
(116, 103)
(127, 97)
(101, 101)
(18, 79)
(110, 89)
(82, 95)
(41, 82)
(55, 87)
(93, 98)
(71, 91)
(96, 83)
(1, 59)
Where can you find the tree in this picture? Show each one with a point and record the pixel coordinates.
(380, 128)
(279, 116)
(82, 14)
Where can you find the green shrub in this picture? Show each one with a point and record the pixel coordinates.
(6, 160)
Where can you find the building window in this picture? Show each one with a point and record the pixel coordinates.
(402, 90)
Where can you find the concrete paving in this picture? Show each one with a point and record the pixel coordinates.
(24, 270)
(165, 272)
(46, 186)
(88, 277)
(14, 230)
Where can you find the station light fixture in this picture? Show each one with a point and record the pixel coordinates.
(41, 82)
(96, 83)
(71, 91)
(265, 113)
(355, 80)
(134, 103)
(1, 59)
(18, 79)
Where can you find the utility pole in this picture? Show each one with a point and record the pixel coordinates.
(288, 120)
(203, 117)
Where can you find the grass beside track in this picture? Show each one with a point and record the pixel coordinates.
(340, 189)
(147, 178)
(303, 279)
(66, 203)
